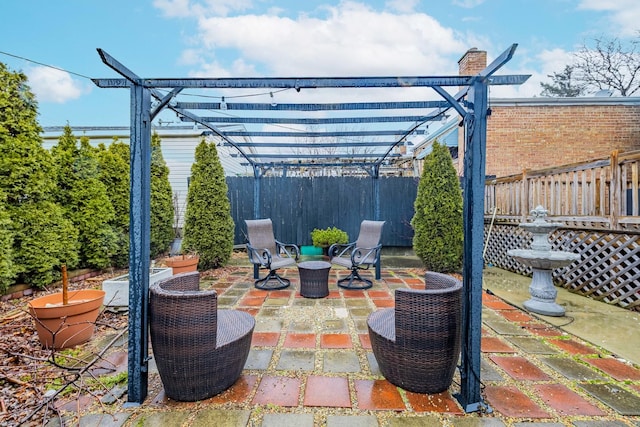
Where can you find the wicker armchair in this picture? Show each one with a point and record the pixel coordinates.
(417, 343)
(359, 255)
(200, 351)
(266, 252)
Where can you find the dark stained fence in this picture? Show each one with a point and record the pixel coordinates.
(298, 205)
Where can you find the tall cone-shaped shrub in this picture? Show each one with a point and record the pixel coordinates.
(208, 225)
(437, 220)
(42, 237)
(84, 198)
(114, 174)
(7, 268)
(161, 201)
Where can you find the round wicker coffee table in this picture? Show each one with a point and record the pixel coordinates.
(314, 278)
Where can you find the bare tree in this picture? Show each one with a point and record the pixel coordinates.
(609, 65)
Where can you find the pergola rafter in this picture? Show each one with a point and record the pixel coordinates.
(292, 148)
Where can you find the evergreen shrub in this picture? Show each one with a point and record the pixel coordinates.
(208, 225)
(437, 220)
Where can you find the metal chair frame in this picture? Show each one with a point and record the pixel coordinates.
(265, 251)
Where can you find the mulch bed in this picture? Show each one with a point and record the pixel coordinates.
(27, 371)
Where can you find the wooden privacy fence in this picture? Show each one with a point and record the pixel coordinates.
(297, 205)
(601, 193)
(598, 203)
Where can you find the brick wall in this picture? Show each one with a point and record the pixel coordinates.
(536, 133)
(539, 136)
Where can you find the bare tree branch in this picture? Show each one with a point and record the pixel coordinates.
(609, 65)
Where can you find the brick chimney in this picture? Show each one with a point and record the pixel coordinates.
(472, 62)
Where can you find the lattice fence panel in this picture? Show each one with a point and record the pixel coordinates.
(609, 268)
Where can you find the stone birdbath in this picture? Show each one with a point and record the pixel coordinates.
(542, 261)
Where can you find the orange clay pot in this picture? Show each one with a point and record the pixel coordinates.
(182, 263)
(61, 326)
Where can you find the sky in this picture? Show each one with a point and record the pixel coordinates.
(284, 38)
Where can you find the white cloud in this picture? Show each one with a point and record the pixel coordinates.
(468, 4)
(51, 85)
(187, 8)
(174, 8)
(624, 15)
(189, 57)
(402, 6)
(351, 39)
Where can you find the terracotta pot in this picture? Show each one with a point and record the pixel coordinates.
(62, 326)
(182, 263)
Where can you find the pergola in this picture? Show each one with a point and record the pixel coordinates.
(324, 147)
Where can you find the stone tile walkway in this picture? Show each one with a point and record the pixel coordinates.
(311, 365)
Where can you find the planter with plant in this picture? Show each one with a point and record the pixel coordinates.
(66, 318)
(323, 238)
(183, 263)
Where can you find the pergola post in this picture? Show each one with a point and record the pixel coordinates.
(139, 241)
(473, 212)
(257, 174)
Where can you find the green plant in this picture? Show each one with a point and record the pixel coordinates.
(108, 381)
(208, 225)
(437, 220)
(328, 236)
(162, 233)
(7, 267)
(114, 173)
(39, 235)
(84, 198)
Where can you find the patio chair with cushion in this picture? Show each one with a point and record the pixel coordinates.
(359, 255)
(199, 350)
(417, 343)
(266, 252)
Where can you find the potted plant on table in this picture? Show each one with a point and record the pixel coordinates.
(65, 319)
(324, 238)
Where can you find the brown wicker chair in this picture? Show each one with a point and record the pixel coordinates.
(266, 252)
(359, 255)
(417, 343)
(200, 351)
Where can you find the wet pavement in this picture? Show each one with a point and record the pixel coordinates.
(311, 363)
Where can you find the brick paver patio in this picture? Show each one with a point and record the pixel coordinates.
(311, 364)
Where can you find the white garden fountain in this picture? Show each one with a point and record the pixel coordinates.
(543, 261)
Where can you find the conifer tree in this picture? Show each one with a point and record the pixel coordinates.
(84, 198)
(7, 268)
(208, 225)
(437, 220)
(43, 238)
(114, 174)
(161, 201)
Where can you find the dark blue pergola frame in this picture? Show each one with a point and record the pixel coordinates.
(471, 103)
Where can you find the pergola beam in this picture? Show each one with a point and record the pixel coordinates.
(340, 106)
(285, 134)
(307, 82)
(313, 156)
(312, 145)
(317, 121)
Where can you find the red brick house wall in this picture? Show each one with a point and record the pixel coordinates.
(536, 133)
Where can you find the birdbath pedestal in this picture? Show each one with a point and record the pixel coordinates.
(542, 261)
